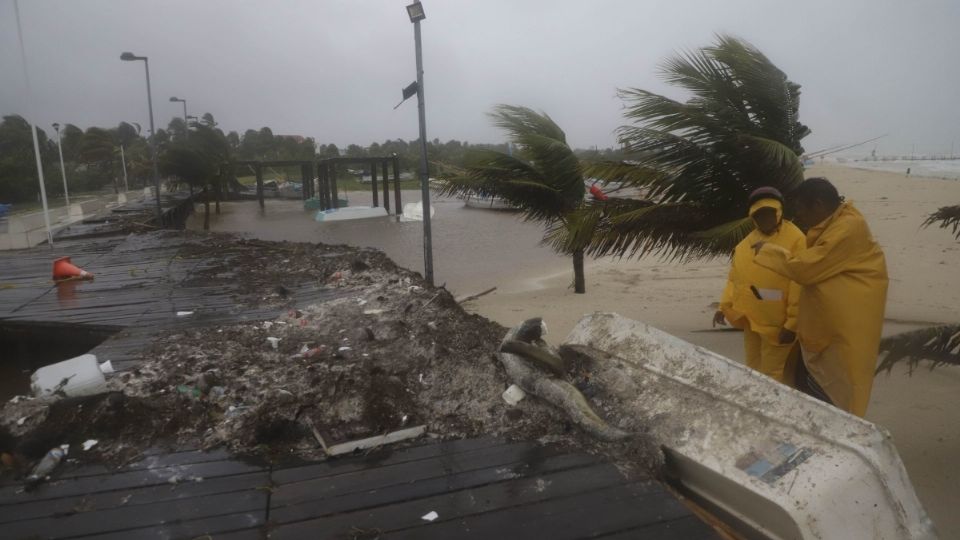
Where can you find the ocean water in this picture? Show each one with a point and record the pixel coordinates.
(947, 168)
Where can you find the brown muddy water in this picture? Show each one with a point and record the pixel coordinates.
(473, 249)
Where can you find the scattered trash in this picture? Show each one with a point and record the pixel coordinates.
(189, 391)
(273, 342)
(106, 367)
(373, 311)
(342, 349)
(267, 325)
(89, 443)
(17, 399)
(432, 325)
(48, 464)
(21, 421)
(430, 516)
(80, 376)
(513, 395)
(184, 313)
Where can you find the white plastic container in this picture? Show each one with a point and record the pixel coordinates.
(80, 376)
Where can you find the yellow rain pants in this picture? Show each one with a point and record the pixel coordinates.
(843, 279)
(762, 318)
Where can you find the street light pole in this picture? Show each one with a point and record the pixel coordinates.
(128, 56)
(63, 171)
(416, 13)
(33, 127)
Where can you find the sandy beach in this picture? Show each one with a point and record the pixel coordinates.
(919, 410)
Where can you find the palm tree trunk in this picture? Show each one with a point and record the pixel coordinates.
(579, 281)
(219, 196)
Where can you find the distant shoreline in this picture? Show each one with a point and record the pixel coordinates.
(916, 168)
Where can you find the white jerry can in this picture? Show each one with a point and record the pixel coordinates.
(767, 460)
(80, 376)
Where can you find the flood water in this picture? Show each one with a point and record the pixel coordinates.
(473, 249)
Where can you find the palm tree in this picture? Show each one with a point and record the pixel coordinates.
(542, 176)
(939, 344)
(694, 162)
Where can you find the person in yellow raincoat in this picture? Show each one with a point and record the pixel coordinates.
(759, 301)
(843, 279)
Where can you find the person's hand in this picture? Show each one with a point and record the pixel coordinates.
(719, 319)
(757, 247)
(787, 336)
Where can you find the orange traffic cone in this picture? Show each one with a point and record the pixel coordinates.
(64, 270)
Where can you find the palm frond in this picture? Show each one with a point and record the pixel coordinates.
(940, 345)
(948, 217)
(698, 160)
(542, 178)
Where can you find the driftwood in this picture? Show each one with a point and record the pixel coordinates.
(475, 296)
(526, 373)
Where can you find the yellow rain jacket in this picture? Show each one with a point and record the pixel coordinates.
(777, 307)
(843, 279)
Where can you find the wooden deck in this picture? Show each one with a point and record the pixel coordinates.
(481, 488)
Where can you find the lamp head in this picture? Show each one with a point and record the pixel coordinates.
(416, 13)
(129, 56)
(56, 126)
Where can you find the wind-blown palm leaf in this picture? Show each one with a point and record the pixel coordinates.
(940, 345)
(543, 177)
(948, 217)
(697, 161)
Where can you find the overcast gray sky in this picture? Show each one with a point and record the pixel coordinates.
(333, 69)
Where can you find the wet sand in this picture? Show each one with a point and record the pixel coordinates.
(477, 249)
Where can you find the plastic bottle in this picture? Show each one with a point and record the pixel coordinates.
(48, 463)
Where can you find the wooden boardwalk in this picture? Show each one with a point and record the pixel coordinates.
(480, 488)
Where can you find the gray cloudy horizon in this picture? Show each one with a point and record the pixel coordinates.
(333, 69)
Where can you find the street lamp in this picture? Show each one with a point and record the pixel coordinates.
(416, 13)
(186, 128)
(63, 172)
(130, 57)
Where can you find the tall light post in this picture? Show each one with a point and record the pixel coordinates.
(416, 13)
(130, 57)
(186, 128)
(33, 127)
(63, 171)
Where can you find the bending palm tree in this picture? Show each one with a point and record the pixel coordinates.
(939, 344)
(542, 177)
(696, 161)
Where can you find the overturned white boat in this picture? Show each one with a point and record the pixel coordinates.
(350, 212)
(487, 203)
(766, 460)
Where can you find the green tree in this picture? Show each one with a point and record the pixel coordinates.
(98, 149)
(542, 177)
(204, 161)
(696, 161)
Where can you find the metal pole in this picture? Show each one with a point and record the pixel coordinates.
(424, 171)
(123, 160)
(153, 147)
(33, 128)
(63, 171)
